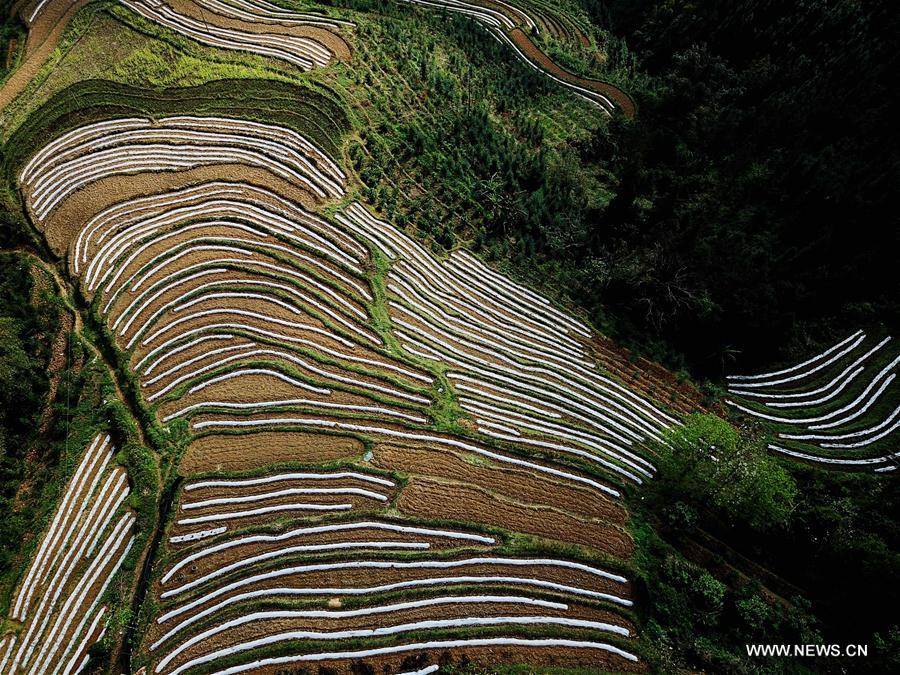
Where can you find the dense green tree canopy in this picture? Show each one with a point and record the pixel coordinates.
(707, 461)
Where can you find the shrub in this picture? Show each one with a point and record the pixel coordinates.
(707, 464)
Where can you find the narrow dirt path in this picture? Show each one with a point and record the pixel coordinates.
(66, 293)
(55, 368)
(65, 290)
(622, 100)
(122, 654)
(43, 37)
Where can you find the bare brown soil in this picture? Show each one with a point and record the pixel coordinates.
(647, 378)
(225, 557)
(427, 498)
(511, 483)
(327, 38)
(244, 452)
(524, 43)
(260, 629)
(43, 36)
(63, 224)
(502, 466)
(255, 389)
(11, 48)
(370, 577)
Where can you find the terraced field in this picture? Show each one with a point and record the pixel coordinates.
(59, 603)
(256, 26)
(512, 23)
(840, 408)
(372, 457)
(356, 406)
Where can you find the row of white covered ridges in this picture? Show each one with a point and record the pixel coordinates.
(75, 562)
(495, 345)
(133, 145)
(216, 598)
(300, 50)
(798, 387)
(260, 11)
(497, 24)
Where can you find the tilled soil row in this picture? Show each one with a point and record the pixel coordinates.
(648, 378)
(511, 483)
(430, 499)
(244, 452)
(622, 99)
(198, 567)
(260, 629)
(212, 594)
(64, 223)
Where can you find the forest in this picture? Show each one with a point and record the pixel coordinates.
(748, 211)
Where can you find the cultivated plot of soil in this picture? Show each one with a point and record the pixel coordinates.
(243, 452)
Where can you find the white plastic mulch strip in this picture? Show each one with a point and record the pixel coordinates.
(772, 379)
(322, 529)
(422, 671)
(833, 460)
(176, 143)
(791, 369)
(434, 624)
(59, 532)
(256, 11)
(301, 51)
(430, 645)
(275, 494)
(815, 422)
(264, 480)
(196, 536)
(263, 510)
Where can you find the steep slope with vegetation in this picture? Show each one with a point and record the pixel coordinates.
(751, 206)
(236, 240)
